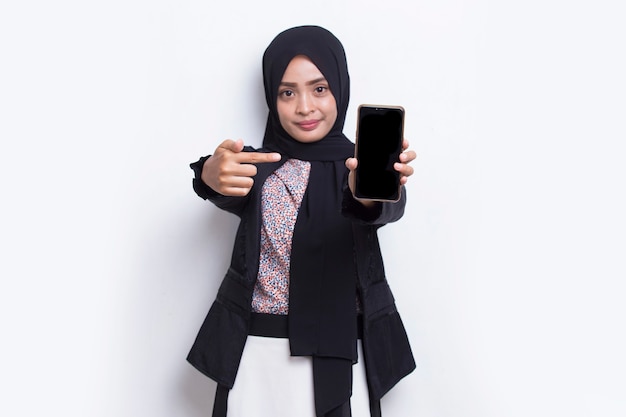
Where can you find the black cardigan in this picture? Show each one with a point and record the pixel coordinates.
(219, 344)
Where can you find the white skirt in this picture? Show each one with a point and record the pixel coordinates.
(271, 383)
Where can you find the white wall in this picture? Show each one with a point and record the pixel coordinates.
(508, 266)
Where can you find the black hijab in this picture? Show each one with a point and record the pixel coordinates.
(327, 53)
(322, 287)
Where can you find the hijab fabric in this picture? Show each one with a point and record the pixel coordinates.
(322, 287)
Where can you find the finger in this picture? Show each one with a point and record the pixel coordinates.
(239, 170)
(257, 157)
(229, 185)
(408, 156)
(232, 182)
(351, 164)
(405, 145)
(236, 191)
(232, 145)
(404, 169)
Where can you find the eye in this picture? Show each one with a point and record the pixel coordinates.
(286, 93)
(321, 89)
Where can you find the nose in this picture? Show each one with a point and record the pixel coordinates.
(305, 104)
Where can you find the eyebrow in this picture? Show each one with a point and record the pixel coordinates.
(315, 81)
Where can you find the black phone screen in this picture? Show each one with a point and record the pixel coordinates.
(378, 147)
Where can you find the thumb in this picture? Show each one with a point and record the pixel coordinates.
(351, 163)
(232, 145)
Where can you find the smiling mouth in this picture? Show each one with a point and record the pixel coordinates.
(308, 124)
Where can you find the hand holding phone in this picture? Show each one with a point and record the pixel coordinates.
(380, 131)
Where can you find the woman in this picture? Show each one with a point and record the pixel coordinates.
(305, 300)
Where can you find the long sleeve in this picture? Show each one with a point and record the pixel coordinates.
(380, 214)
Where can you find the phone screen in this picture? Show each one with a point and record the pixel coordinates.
(378, 147)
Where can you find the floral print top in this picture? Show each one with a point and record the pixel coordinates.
(281, 197)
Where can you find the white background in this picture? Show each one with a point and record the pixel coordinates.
(508, 267)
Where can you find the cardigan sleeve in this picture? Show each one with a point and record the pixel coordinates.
(379, 214)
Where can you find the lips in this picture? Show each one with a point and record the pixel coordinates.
(308, 124)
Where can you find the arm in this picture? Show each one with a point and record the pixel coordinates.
(226, 177)
(374, 213)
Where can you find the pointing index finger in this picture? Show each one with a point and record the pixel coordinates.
(258, 157)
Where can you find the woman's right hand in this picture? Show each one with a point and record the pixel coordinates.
(229, 171)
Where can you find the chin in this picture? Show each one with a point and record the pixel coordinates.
(308, 139)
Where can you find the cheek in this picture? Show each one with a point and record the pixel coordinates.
(282, 110)
(330, 104)
(331, 111)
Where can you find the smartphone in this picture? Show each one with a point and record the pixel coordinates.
(380, 131)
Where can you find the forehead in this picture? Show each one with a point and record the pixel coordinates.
(301, 68)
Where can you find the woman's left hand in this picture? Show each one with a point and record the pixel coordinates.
(402, 166)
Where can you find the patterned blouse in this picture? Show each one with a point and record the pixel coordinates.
(281, 197)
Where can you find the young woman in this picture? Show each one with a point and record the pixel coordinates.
(304, 319)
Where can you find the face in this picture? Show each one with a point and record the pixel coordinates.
(306, 107)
